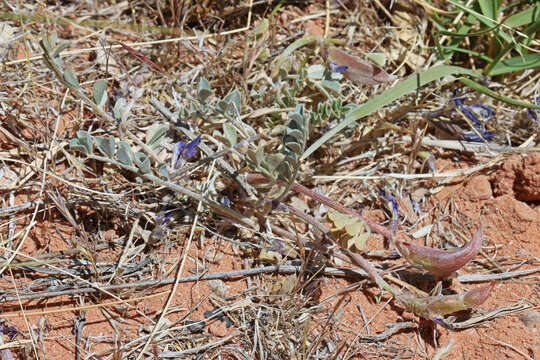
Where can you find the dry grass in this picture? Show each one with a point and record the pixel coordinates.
(90, 269)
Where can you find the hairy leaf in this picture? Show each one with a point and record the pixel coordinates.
(124, 153)
(105, 145)
(100, 92)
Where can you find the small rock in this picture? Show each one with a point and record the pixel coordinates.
(478, 188)
(531, 319)
(517, 215)
(194, 326)
(519, 176)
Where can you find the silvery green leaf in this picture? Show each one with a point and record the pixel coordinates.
(75, 144)
(332, 85)
(71, 78)
(124, 153)
(285, 171)
(378, 58)
(230, 134)
(315, 72)
(59, 49)
(204, 91)
(100, 92)
(117, 110)
(273, 161)
(50, 41)
(234, 98)
(222, 106)
(105, 145)
(143, 162)
(332, 75)
(58, 62)
(164, 171)
(86, 140)
(155, 134)
(260, 29)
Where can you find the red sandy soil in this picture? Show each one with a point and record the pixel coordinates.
(506, 202)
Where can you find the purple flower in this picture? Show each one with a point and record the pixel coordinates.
(392, 200)
(11, 331)
(471, 136)
(183, 151)
(470, 115)
(485, 111)
(533, 113)
(337, 68)
(457, 100)
(225, 201)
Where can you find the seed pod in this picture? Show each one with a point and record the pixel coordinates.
(432, 307)
(354, 68)
(441, 263)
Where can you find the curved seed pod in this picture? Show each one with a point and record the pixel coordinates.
(432, 307)
(441, 263)
(354, 68)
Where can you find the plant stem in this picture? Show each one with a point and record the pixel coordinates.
(258, 178)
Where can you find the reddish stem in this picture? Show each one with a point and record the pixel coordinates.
(258, 178)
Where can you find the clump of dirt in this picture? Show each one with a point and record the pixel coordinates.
(519, 177)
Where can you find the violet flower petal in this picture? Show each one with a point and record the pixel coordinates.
(533, 113)
(337, 68)
(484, 110)
(470, 114)
(177, 154)
(191, 148)
(471, 136)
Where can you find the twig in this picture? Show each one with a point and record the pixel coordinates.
(258, 178)
(503, 311)
(176, 354)
(511, 347)
(393, 328)
(491, 277)
(229, 275)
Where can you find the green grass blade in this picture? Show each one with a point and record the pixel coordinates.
(406, 86)
(527, 16)
(516, 63)
(485, 20)
(476, 86)
(490, 8)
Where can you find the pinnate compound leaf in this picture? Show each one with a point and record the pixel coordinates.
(100, 92)
(105, 145)
(124, 153)
(441, 263)
(358, 70)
